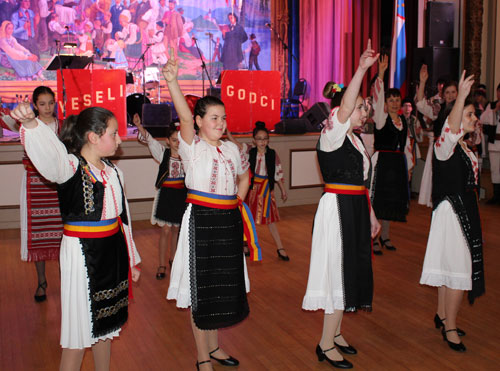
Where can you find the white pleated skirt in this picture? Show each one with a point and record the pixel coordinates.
(447, 259)
(180, 288)
(325, 283)
(76, 316)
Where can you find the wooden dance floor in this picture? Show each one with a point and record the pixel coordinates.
(278, 335)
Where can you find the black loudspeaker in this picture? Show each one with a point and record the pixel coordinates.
(291, 126)
(316, 115)
(440, 23)
(156, 118)
(441, 63)
(215, 92)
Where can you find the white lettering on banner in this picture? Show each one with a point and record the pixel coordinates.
(98, 97)
(109, 95)
(86, 100)
(252, 97)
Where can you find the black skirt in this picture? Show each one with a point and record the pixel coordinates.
(170, 205)
(107, 267)
(390, 187)
(218, 293)
(354, 214)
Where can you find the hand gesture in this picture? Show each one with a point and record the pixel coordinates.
(383, 63)
(170, 70)
(368, 57)
(136, 120)
(465, 85)
(136, 273)
(284, 196)
(374, 225)
(424, 74)
(23, 113)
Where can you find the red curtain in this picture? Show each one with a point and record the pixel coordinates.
(333, 34)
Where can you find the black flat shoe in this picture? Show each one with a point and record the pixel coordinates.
(376, 251)
(384, 244)
(200, 363)
(43, 297)
(224, 362)
(160, 273)
(438, 322)
(282, 257)
(458, 347)
(345, 349)
(338, 364)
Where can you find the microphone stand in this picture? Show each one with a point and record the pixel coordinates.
(58, 48)
(141, 58)
(203, 69)
(285, 48)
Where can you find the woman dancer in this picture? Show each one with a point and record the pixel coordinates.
(340, 273)
(453, 260)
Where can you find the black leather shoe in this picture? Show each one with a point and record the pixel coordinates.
(345, 349)
(200, 363)
(224, 362)
(43, 297)
(282, 257)
(438, 322)
(384, 244)
(458, 347)
(160, 273)
(338, 364)
(376, 248)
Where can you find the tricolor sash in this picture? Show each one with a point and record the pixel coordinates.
(87, 229)
(265, 193)
(216, 201)
(173, 183)
(345, 189)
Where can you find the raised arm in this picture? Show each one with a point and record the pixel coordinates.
(170, 71)
(351, 94)
(424, 75)
(455, 118)
(379, 114)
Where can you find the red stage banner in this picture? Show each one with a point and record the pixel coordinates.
(251, 96)
(97, 88)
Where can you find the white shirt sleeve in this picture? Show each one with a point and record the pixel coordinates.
(425, 108)
(446, 142)
(156, 148)
(379, 114)
(48, 153)
(278, 172)
(333, 133)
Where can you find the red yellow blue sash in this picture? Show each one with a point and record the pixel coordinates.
(345, 189)
(265, 193)
(173, 183)
(89, 172)
(230, 202)
(100, 229)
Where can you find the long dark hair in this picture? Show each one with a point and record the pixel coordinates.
(39, 91)
(76, 127)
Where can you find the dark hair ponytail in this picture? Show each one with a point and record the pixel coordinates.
(171, 129)
(260, 126)
(76, 127)
(439, 123)
(39, 91)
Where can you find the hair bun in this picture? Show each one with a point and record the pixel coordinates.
(260, 125)
(331, 88)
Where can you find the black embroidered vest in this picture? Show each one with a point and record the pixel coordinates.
(164, 169)
(389, 138)
(270, 164)
(344, 165)
(82, 200)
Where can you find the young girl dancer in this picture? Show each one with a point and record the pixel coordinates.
(41, 224)
(340, 273)
(261, 196)
(97, 235)
(209, 271)
(453, 260)
(170, 200)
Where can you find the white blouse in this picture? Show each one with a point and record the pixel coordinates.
(157, 150)
(212, 169)
(333, 136)
(51, 159)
